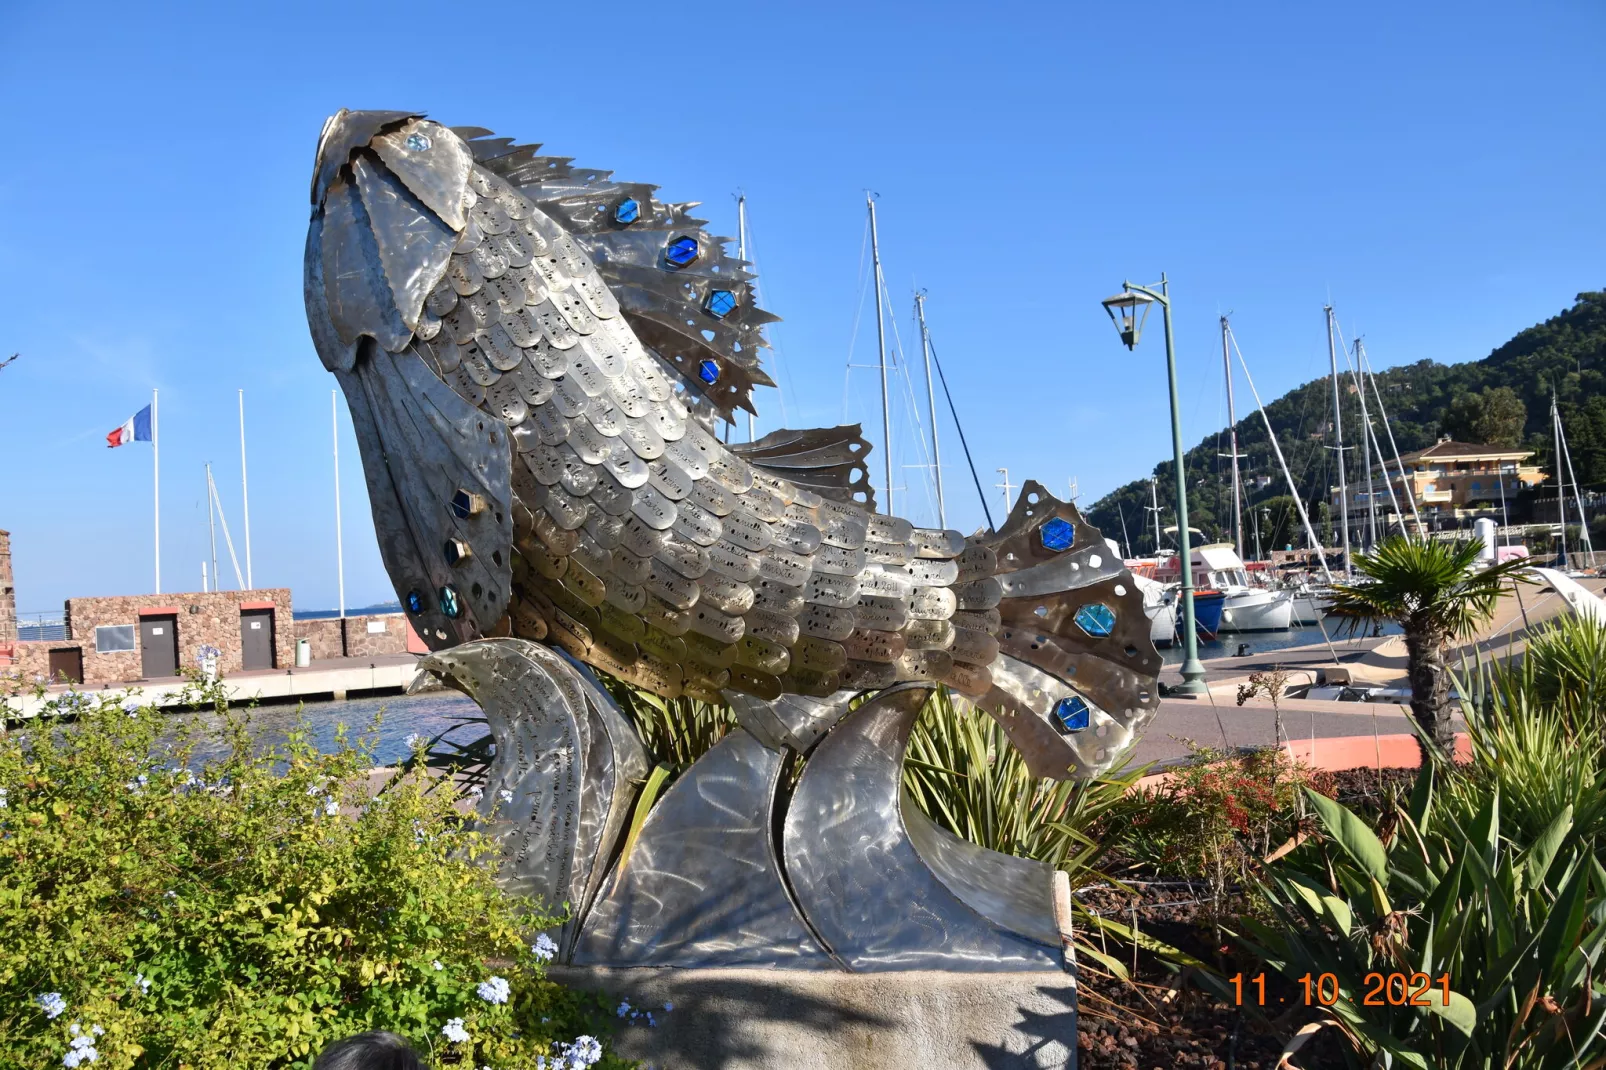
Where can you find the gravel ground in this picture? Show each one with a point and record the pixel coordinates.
(1167, 1018)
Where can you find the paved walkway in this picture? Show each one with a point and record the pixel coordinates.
(324, 677)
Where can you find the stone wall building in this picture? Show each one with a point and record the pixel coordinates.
(128, 638)
(125, 638)
(8, 601)
(359, 637)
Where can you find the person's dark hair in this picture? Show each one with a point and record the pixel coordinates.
(369, 1051)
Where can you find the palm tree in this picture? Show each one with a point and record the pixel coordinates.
(1431, 590)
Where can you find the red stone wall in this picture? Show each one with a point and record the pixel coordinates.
(361, 640)
(203, 619)
(322, 634)
(31, 661)
(8, 600)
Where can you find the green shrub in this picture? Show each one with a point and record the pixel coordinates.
(249, 910)
(1212, 817)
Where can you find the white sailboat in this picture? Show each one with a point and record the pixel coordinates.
(1248, 608)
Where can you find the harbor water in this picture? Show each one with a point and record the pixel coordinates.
(1227, 644)
(400, 716)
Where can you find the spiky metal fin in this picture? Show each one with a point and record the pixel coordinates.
(1074, 628)
(1019, 543)
(697, 314)
(827, 460)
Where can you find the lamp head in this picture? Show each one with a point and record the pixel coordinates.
(1133, 310)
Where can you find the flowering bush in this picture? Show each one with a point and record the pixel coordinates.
(1211, 815)
(157, 912)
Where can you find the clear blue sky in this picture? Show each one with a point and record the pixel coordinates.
(1435, 168)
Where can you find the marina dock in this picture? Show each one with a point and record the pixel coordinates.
(327, 678)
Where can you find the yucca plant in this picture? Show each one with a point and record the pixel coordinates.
(964, 773)
(1489, 884)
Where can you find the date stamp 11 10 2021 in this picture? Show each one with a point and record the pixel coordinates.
(1324, 990)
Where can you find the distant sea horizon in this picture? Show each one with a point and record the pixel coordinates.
(351, 611)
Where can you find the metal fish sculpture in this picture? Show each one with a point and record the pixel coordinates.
(536, 357)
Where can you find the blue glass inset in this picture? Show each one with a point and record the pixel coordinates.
(627, 211)
(451, 605)
(720, 304)
(417, 142)
(1057, 534)
(682, 251)
(415, 602)
(1072, 714)
(456, 551)
(462, 505)
(708, 372)
(1097, 620)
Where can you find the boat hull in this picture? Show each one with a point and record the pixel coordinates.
(1207, 609)
(1308, 609)
(1258, 611)
(1162, 623)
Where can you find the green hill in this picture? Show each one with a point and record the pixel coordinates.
(1505, 397)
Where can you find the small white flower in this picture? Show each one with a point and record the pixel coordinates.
(623, 1009)
(437, 964)
(74, 1030)
(544, 948)
(668, 1007)
(3, 803)
(505, 795)
(51, 1003)
(97, 1030)
(330, 806)
(413, 740)
(495, 990)
(144, 983)
(651, 1021)
(454, 1031)
(586, 1049)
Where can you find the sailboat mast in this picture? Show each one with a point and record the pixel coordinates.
(881, 345)
(1277, 452)
(1366, 451)
(1232, 438)
(1578, 499)
(211, 522)
(1561, 483)
(741, 254)
(1154, 507)
(1338, 428)
(931, 405)
(1382, 414)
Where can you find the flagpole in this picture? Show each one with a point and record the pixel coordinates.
(340, 559)
(156, 484)
(245, 495)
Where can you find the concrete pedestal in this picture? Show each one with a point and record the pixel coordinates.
(760, 1019)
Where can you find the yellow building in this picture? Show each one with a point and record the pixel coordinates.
(1444, 480)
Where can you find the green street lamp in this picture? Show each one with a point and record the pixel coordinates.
(1128, 309)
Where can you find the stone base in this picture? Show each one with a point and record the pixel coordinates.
(760, 1019)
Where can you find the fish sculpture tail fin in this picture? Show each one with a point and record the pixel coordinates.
(1075, 679)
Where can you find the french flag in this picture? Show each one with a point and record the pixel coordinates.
(137, 428)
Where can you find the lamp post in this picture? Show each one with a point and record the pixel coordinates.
(1133, 304)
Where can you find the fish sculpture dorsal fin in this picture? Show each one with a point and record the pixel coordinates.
(686, 299)
(827, 460)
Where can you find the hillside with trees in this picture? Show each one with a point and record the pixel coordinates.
(1502, 399)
